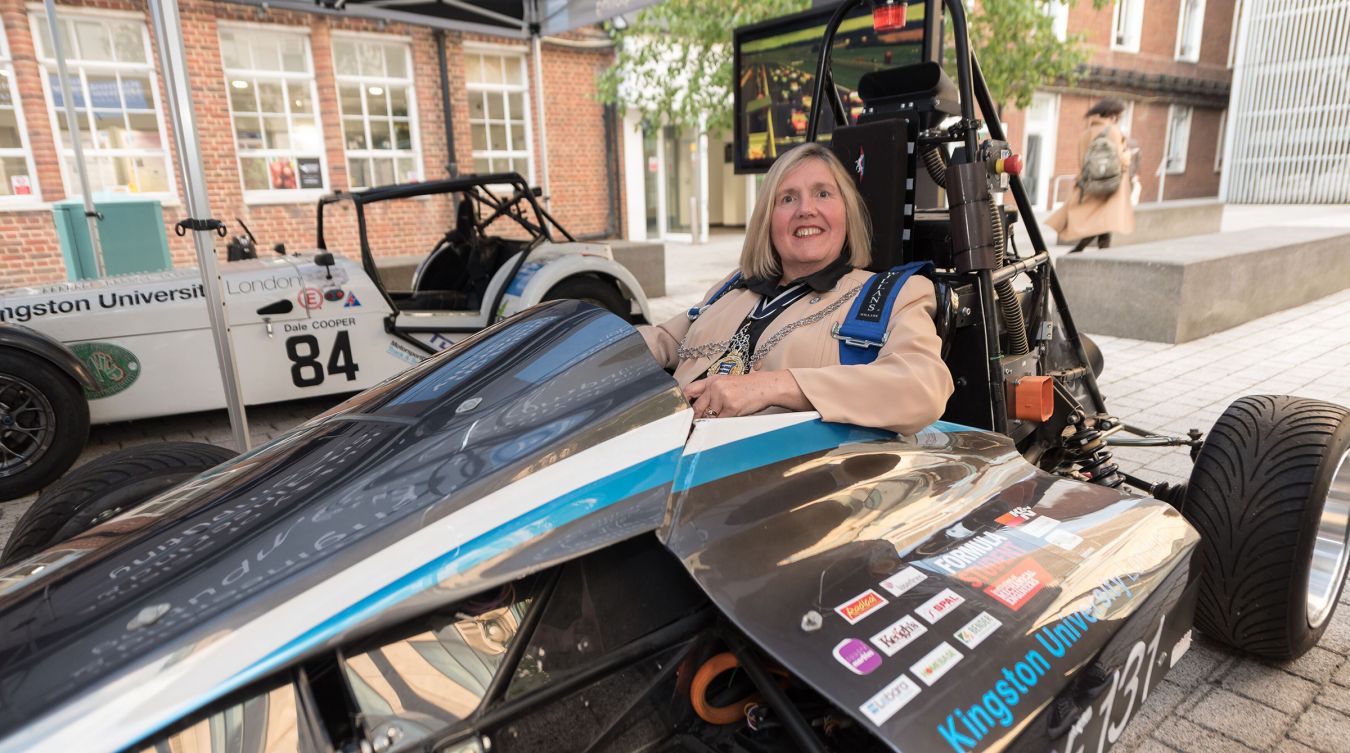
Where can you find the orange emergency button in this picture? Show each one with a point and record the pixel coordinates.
(1033, 398)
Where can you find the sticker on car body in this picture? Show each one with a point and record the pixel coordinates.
(114, 367)
(854, 610)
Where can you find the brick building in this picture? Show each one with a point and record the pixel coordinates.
(1170, 61)
(290, 105)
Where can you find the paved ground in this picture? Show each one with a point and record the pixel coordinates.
(1212, 702)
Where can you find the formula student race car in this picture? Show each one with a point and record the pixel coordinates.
(309, 324)
(527, 542)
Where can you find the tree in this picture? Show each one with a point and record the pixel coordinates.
(674, 58)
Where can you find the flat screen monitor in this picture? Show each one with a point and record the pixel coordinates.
(775, 71)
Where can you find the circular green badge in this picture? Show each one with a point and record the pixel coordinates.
(115, 368)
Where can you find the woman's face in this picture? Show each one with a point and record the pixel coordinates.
(808, 224)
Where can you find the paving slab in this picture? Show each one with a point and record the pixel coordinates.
(1323, 729)
(1255, 724)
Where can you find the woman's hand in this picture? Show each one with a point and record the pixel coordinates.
(744, 394)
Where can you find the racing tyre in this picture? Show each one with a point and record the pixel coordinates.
(44, 423)
(593, 291)
(1270, 496)
(102, 489)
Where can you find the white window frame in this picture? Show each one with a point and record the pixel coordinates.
(1130, 13)
(1059, 11)
(1219, 142)
(1197, 8)
(79, 68)
(25, 149)
(276, 195)
(1178, 144)
(497, 50)
(415, 153)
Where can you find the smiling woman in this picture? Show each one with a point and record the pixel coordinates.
(764, 337)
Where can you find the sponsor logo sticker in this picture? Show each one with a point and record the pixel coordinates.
(865, 603)
(940, 606)
(898, 635)
(936, 664)
(891, 699)
(903, 581)
(310, 298)
(352, 301)
(1179, 650)
(857, 656)
(1019, 584)
(975, 631)
(115, 368)
(1064, 539)
(1039, 527)
(1016, 517)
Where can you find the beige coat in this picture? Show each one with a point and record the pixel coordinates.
(904, 389)
(1083, 218)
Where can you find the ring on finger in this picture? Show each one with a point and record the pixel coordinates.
(710, 413)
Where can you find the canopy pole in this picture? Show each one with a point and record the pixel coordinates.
(538, 48)
(73, 125)
(173, 61)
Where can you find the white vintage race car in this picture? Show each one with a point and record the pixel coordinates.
(303, 325)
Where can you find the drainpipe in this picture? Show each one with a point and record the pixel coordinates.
(452, 162)
(613, 165)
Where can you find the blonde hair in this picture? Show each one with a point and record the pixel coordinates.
(758, 256)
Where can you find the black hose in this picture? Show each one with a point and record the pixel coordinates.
(935, 162)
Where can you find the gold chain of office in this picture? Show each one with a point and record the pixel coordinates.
(713, 350)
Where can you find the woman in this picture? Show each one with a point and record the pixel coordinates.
(1085, 217)
(766, 341)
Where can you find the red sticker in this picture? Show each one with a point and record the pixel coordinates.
(860, 606)
(310, 298)
(1015, 517)
(1019, 584)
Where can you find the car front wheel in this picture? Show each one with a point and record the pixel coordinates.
(44, 423)
(1270, 496)
(596, 292)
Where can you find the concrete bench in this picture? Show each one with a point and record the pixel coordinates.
(1163, 220)
(1182, 289)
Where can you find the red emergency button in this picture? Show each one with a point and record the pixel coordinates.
(1012, 165)
(889, 17)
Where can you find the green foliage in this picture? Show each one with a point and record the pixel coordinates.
(1015, 42)
(674, 59)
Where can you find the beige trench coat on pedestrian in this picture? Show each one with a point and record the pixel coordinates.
(1085, 217)
(903, 390)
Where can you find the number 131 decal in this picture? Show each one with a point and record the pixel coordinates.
(306, 368)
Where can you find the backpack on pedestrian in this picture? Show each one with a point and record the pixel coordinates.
(1101, 172)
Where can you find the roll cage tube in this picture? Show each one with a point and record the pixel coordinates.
(972, 88)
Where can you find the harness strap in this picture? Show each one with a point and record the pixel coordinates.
(726, 286)
(863, 331)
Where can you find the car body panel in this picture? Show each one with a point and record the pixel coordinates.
(552, 263)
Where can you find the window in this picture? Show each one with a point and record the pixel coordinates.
(1178, 137)
(1218, 143)
(1189, 25)
(375, 97)
(1126, 24)
(269, 74)
(18, 181)
(499, 114)
(266, 720)
(1059, 11)
(116, 98)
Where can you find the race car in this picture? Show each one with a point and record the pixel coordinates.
(527, 542)
(306, 324)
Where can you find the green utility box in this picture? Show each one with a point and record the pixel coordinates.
(132, 232)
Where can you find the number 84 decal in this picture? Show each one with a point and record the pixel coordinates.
(307, 366)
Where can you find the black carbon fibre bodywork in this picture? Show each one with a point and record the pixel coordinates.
(231, 545)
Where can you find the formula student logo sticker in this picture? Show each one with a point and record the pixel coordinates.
(857, 656)
(1019, 584)
(940, 606)
(903, 581)
(115, 368)
(936, 663)
(975, 631)
(898, 635)
(1016, 517)
(865, 603)
(891, 699)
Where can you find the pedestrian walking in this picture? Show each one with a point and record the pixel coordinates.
(1100, 205)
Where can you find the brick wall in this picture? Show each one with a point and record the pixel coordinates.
(1156, 55)
(29, 250)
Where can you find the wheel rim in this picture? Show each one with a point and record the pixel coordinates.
(27, 425)
(1331, 550)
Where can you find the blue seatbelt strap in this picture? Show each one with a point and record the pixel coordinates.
(728, 285)
(863, 331)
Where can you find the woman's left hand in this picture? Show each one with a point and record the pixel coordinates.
(744, 394)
